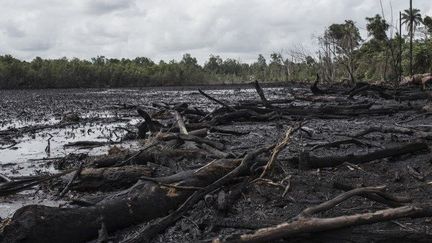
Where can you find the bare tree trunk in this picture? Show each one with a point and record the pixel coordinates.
(411, 39)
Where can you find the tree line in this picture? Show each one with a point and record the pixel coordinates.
(139, 72)
(385, 55)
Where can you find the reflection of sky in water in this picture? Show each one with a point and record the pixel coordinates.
(8, 124)
(19, 123)
(23, 159)
(32, 146)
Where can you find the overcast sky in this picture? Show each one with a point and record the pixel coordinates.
(166, 29)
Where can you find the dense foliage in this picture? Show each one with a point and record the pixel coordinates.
(141, 71)
(343, 55)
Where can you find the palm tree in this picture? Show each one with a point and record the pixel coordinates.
(412, 18)
(416, 17)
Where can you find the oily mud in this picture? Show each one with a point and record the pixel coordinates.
(220, 164)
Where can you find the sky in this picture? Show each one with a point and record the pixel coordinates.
(166, 29)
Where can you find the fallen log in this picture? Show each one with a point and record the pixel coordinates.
(216, 152)
(215, 100)
(313, 225)
(111, 178)
(225, 131)
(308, 161)
(89, 144)
(188, 137)
(180, 123)
(339, 143)
(144, 201)
(346, 111)
(242, 115)
(383, 129)
(250, 103)
(358, 235)
(20, 184)
(164, 157)
(383, 197)
(369, 87)
(305, 223)
(151, 230)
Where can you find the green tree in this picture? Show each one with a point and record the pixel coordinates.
(213, 65)
(427, 21)
(259, 68)
(276, 67)
(411, 16)
(345, 39)
(423, 57)
(377, 27)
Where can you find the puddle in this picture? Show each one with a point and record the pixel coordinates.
(33, 147)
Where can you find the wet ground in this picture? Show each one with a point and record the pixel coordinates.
(31, 118)
(102, 113)
(28, 119)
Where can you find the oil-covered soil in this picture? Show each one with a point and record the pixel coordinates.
(38, 129)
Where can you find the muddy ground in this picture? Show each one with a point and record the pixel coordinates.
(29, 118)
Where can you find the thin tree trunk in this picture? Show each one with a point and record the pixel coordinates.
(411, 39)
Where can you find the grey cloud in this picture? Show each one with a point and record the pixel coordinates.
(34, 45)
(166, 29)
(107, 6)
(11, 30)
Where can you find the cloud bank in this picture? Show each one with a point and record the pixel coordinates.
(166, 29)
